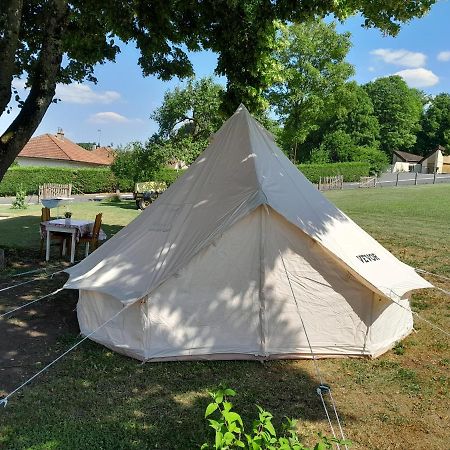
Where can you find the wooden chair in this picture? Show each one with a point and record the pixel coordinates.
(58, 237)
(92, 239)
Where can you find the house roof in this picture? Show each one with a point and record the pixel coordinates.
(49, 146)
(106, 153)
(408, 157)
(439, 147)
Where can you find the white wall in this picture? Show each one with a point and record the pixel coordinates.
(47, 162)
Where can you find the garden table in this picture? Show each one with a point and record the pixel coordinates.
(76, 228)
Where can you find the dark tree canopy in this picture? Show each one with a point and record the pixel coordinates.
(51, 41)
(435, 125)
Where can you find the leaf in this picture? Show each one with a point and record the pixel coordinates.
(229, 392)
(270, 428)
(210, 409)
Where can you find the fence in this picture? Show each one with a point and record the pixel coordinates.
(329, 183)
(367, 182)
(54, 190)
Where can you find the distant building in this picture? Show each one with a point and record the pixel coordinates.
(406, 162)
(435, 162)
(57, 151)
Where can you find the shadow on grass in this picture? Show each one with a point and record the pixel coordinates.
(98, 399)
(95, 398)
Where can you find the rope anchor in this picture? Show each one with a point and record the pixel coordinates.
(323, 389)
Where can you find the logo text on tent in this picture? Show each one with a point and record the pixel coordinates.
(369, 257)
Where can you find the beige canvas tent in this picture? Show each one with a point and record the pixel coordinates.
(244, 258)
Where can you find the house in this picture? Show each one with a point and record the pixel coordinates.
(107, 153)
(434, 162)
(406, 162)
(51, 150)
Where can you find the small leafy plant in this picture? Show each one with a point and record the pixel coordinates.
(230, 433)
(68, 214)
(20, 201)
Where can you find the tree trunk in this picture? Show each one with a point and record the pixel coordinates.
(10, 22)
(43, 86)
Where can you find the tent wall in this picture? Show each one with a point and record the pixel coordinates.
(124, 334)
(341, 316)
(234, 300)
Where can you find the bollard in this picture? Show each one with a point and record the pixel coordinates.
(2, 259)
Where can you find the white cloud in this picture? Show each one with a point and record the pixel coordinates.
(419, 77)
(371, 69)
(400, 57)
(83, 94)
(444, 56)
(108, 117)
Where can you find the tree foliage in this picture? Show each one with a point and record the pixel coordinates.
(138, 161)
(435, 124)
(398, 109)
(51, 41)
(312, 57)
(188, 116)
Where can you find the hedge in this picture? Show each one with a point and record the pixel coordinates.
(88, 181)
(352, 171)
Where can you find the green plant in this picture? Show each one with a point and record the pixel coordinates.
(20, 201)
(67, 214)
(230, 431)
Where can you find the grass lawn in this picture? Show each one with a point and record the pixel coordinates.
(97, 399)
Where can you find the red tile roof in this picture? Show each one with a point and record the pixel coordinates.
(49, 146)
(108, 154)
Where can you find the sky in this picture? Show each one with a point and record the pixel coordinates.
(117, 109)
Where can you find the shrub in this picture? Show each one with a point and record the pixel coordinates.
(377, 159)
(352, 171)
(88, 181)
(20, 201)
(230, 429)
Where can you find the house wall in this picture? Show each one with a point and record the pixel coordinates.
(400, 166)
(47, 162)
(446, 164)
(433, 162)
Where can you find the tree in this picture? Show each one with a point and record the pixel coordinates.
(435, 124)
(138, 161)
(187, 118)
(51, 41)
(312, 57)
(398, 109)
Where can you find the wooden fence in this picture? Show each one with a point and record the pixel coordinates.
(367, 182)
(328, 183)
(54, 190)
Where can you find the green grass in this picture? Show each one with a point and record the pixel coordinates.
(97, 399)
(20, 228)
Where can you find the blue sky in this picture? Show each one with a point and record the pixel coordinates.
(117, 110)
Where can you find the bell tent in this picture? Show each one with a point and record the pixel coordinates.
(242, 258)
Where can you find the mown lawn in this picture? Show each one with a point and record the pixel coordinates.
(96, 399)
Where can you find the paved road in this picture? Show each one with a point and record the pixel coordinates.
(405, 179)
(32, 199)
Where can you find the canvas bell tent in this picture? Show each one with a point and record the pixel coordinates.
(244, 258)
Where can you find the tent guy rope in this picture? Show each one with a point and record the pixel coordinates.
(433, 325)
(4, 400)
(40, 278)
(323, 388)
(30, 303)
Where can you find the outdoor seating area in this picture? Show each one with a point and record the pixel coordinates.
(70, 232)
